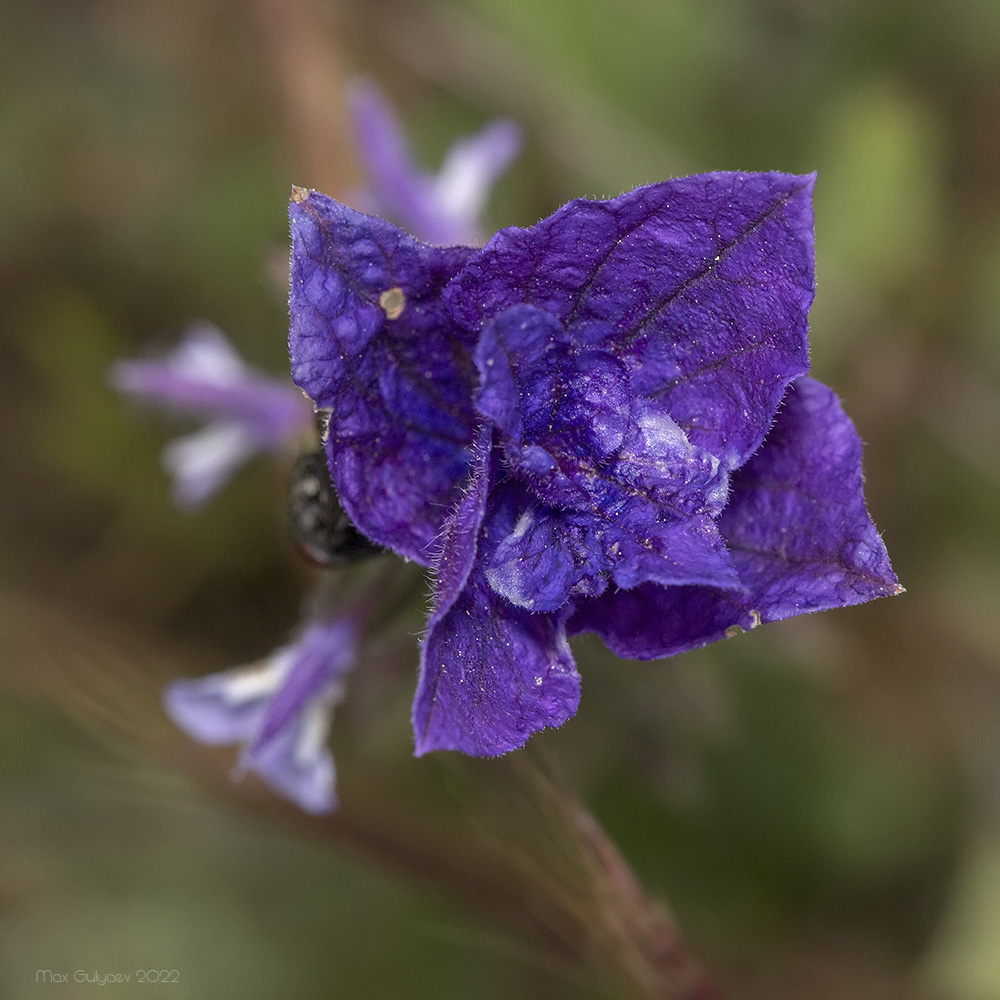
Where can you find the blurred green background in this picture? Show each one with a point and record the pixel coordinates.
(819, 801)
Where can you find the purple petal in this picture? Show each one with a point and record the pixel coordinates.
(651, 621)
(634, 495)
(399, 189)
(572, 429)
(543, 559)
(441, 210)
(205, 377)
(226, 707)
(370, 341)
(470, 169)
(551, 556)
(798, 531)
(296, 762)
(203, 462)
(657, 461)
(280, 711)
(686, 551)
(491, 674)
(322, 655)
(796, 523)
(561, 411)
(699, 285)
(189, 378)
(460, 533)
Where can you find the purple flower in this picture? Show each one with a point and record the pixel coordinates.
(601, 423)
(442, 208)
(247, 412)
(279, 710)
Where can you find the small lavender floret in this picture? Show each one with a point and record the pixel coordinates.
(600, 423)
(247, 412)
(278, 710)
(442, 208)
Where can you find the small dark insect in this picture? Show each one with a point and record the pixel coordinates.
(317, 523)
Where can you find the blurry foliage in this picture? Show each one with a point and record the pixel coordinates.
(818, 800)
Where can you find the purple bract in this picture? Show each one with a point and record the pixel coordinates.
(601, 423)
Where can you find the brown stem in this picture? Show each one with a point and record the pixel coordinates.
(644, 931)
(578, 884)
(311, 71)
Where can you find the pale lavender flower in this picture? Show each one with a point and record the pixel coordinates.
(279, 710)
(247, 412)
(442, 208)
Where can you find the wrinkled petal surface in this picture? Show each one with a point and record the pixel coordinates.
(798, 530)
(598, 423)
(491, 674)
(552, 556)
(797, 523)
(560, 411)
(700, 286)
(620, 492)
(371, 342)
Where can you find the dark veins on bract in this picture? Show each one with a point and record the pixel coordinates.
(623, 362)
(399, 390)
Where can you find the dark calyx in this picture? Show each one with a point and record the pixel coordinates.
(317, 523)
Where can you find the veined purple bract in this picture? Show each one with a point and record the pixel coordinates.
(600, 423)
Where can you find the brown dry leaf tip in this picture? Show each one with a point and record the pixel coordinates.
(299, 193)
(393, 302)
